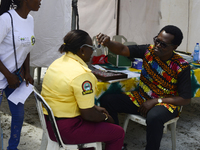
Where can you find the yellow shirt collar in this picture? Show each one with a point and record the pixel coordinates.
(77, 58)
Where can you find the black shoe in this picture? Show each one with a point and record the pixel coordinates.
(124, 147)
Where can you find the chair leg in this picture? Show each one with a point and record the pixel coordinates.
(99, 146)
(44, 142)
(32, 70)
(165, 129)
(38, 74)
(96, 145)
(173, 135)
(126, 123)
(53, 145)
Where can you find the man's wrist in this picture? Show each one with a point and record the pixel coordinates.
(159, 100)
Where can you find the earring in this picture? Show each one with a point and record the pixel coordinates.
(82, 54)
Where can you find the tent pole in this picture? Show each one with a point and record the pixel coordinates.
(188, 27)
(118, 13)
(74, 14)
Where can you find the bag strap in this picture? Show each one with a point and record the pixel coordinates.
(13, 41)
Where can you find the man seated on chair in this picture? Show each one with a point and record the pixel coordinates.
(164, 85)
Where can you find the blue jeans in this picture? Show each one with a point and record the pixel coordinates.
(17, 112)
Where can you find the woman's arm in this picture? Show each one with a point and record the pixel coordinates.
(13, 80)
(26, 66)
(96, 114)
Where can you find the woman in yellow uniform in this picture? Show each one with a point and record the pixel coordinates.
(69, 88)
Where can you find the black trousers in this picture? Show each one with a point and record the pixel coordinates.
(156, 117)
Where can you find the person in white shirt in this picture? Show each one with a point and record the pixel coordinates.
(15, 23)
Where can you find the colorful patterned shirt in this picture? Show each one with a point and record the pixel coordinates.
(160, 79)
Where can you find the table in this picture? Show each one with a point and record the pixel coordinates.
(132, 84)
(195, 82)
(124, 85)
(116, 87)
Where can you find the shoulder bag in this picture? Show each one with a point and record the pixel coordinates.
(19, 71)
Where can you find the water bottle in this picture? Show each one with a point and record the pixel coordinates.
(196, 53)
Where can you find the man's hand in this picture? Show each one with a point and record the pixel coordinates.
(103, 39)
(146, 106)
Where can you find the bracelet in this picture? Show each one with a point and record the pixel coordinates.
(106, 117)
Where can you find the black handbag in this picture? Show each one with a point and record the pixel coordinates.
(19, 71)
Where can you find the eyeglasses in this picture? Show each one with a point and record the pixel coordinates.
(162, 44)
(93, 47)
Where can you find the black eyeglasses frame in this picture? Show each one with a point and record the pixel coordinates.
(161, 43)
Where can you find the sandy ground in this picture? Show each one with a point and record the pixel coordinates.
(187, 132)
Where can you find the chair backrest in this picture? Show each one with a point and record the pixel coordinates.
(39, 100)
(119, 38)
(129, 43)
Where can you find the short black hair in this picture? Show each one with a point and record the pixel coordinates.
(178, 35)
(73, 41)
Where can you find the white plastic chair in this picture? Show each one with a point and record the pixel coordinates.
(129, 43)
(32, 71)
(119, 38)
(47, 143)
(141, 120)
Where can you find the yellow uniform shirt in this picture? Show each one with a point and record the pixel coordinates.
(69, 85)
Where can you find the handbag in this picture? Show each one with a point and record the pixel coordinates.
(19, 72)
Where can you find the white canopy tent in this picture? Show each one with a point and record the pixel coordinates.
(140, 21)
(137, 20)
(52, 22)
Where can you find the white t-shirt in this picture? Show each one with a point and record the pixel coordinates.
(24, 41)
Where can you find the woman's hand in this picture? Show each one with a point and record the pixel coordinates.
(28, 79)
(105, 112)
(110, 119)
(101, 109)
(13, 81)
(103, 39)
(96, 114)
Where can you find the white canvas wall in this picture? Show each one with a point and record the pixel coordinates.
(176, 12)
(97, 16)
(141, 20)
(52, 22)
(138, 19)
(194, 24)
(184, 14)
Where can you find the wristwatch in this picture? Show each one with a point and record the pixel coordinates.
(159, 100)
(106, 117)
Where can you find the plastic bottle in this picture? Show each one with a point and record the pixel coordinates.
(196, 53)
